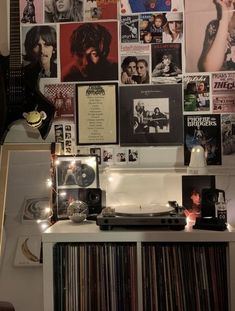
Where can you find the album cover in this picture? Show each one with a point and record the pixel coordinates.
(223, 92)
(203, 130)
(192, 186)
(62, 96)
(106, 38)
(151, 115)
(166, 63)
(77, 172)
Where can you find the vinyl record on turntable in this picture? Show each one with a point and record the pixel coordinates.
(86, 175)
(143, 210)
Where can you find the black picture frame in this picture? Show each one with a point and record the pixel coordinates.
(167, 132)
(83, 174)
(97, 114)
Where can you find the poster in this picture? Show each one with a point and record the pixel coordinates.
(97, 114)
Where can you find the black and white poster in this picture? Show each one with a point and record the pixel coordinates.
(151, 115)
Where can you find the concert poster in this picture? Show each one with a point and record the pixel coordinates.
(97, 114)
(151, 115)
(223, 92)
(204, 130)
(196, 93)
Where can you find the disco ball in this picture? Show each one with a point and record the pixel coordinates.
(77, 211)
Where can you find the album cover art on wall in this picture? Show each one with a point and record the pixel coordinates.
(101, 63)
(166, 63)
(151, 115)
(203, 130)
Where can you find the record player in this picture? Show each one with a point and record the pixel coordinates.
(152, 216)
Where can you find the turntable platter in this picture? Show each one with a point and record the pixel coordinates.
(143, 210)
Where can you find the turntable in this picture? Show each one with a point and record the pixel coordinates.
(152, 216)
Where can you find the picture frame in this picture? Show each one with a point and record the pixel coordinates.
(71, 174)
(192, 188)
(139, 127)
(97, 114)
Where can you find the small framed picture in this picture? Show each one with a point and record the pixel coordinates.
(77, 172)
(97, 115)
(72, 174)
(151, 115)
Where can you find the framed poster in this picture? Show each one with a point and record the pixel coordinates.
(151, 115)
(72, 174)
(97, 117)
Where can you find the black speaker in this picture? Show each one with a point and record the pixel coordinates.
(209, 198)
(94, 197)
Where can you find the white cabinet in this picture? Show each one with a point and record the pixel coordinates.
(145, 243)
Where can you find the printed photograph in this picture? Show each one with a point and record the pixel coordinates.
(63, 98)
(210, 44)
(39, 50)
(151, 115)
(135, 69)
(63, 11)
(31, 11)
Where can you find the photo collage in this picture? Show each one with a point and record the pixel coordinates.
(156, 51)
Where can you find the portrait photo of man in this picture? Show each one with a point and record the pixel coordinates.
(89, 51)
(40, 51)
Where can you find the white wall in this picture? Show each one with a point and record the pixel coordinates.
(22, 285)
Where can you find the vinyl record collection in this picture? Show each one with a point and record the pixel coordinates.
(184, 277)
(95, 277)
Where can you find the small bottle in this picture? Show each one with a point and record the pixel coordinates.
(221, 208)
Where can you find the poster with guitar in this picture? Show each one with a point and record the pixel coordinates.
(19, 93)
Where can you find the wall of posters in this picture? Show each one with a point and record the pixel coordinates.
(163, 43)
